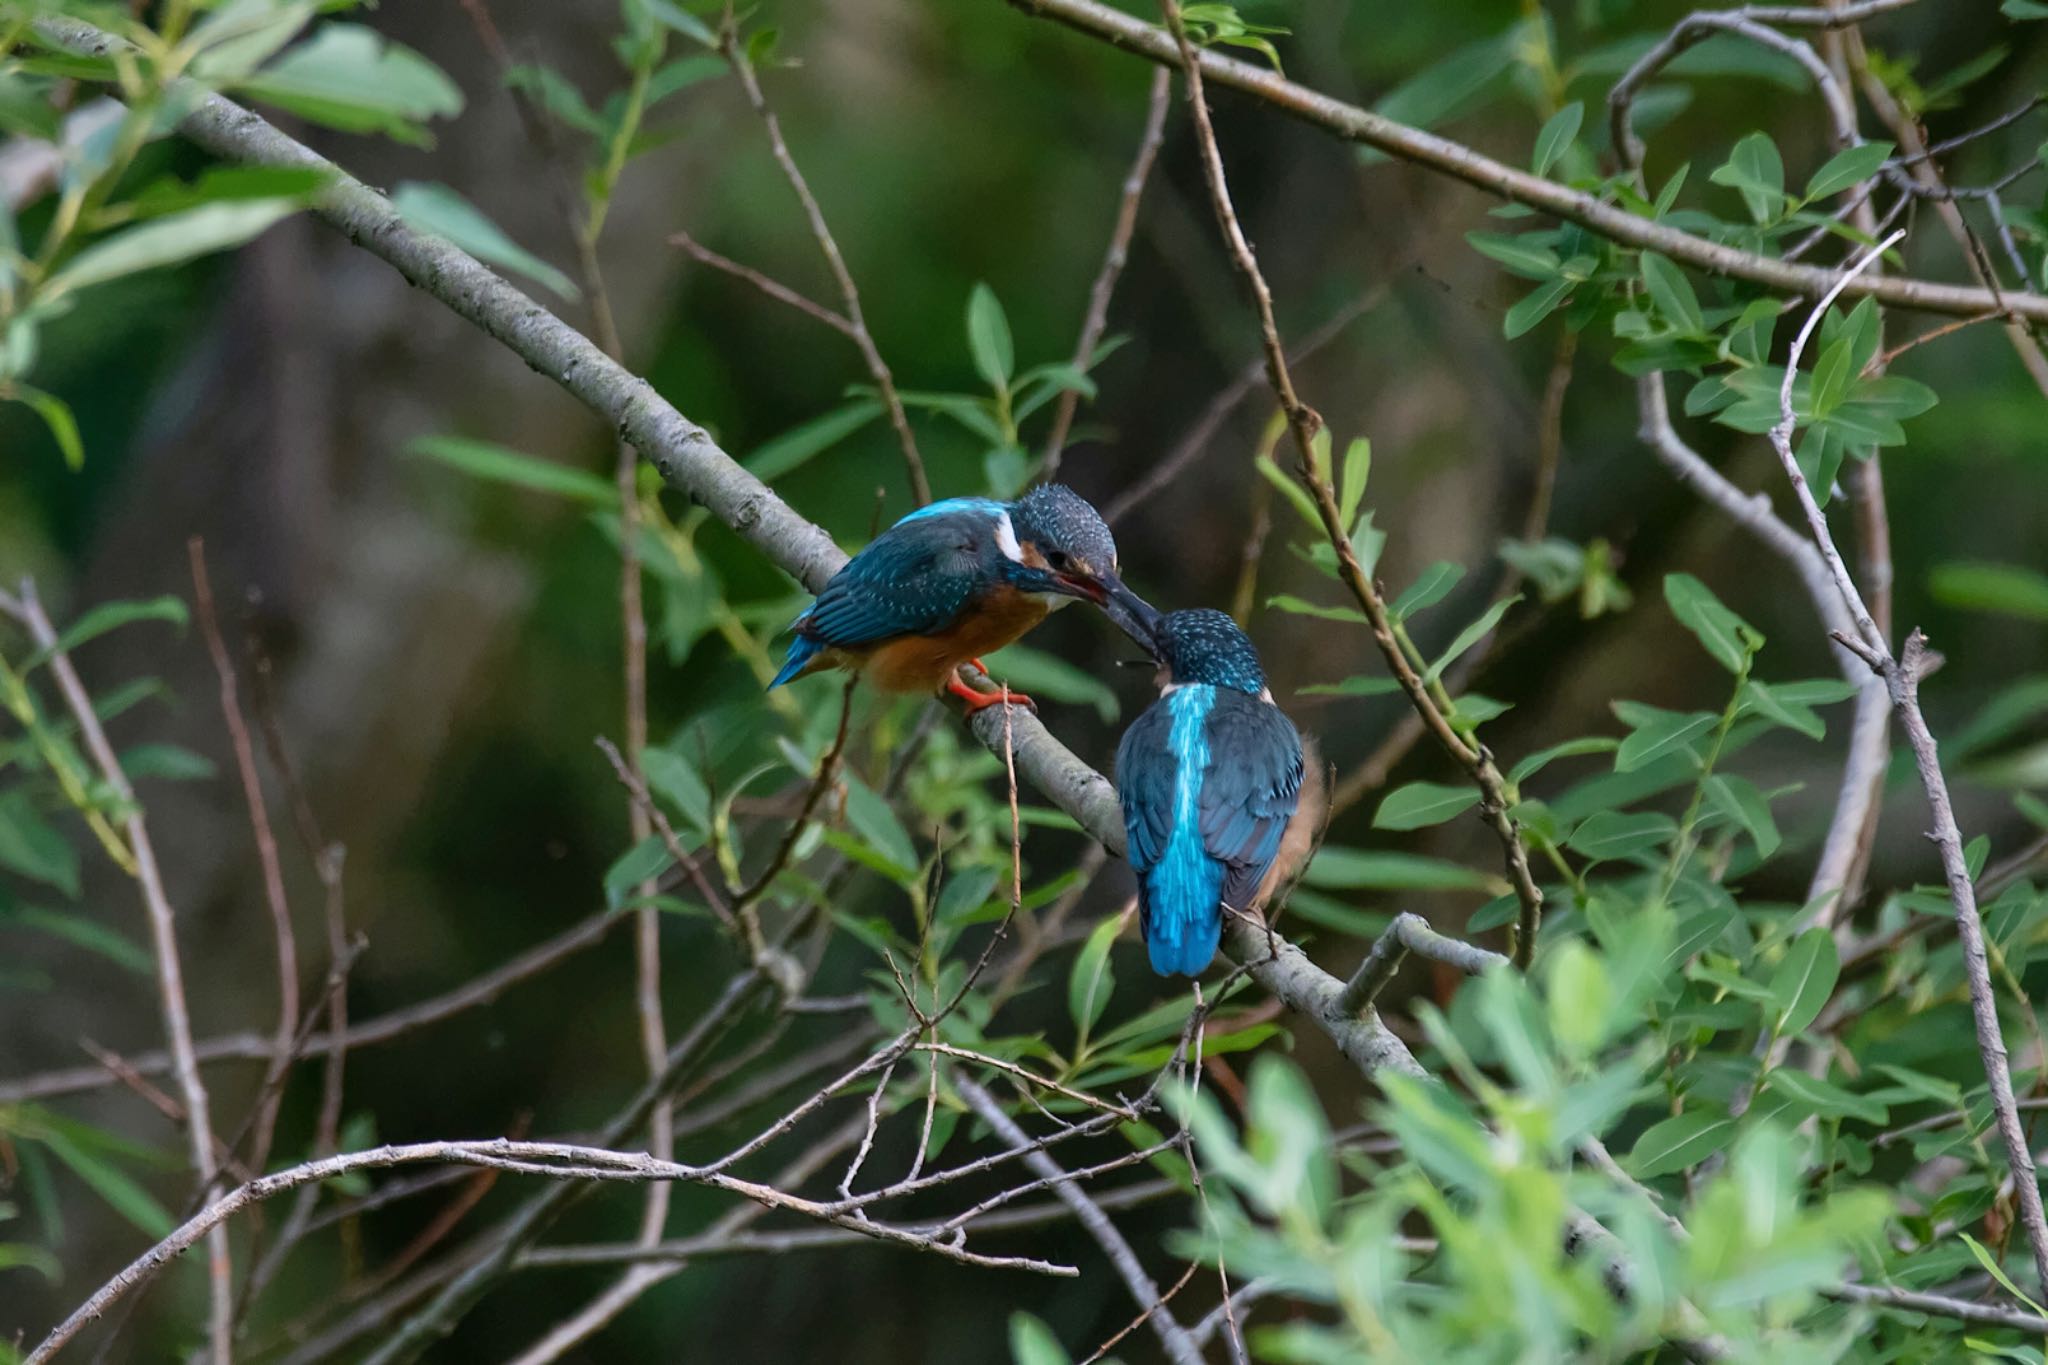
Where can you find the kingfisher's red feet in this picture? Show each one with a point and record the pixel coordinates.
(977, 700)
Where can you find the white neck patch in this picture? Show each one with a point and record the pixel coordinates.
(1006, 538)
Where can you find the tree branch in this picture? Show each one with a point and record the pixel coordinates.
(1460, 162)
(1173, 1338)
(1902, 675)
(170, 973)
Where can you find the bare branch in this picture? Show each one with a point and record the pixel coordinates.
(1902, 675)
(170, 974)
(1460, 162)
(1409, 933)
(266, 856)
(1304, 422)
(736, 55)
(1173, 1338)
(1097, 317)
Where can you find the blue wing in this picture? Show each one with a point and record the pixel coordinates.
(913, 579)
(1251, 790)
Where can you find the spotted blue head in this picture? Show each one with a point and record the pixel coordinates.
(1062, 546)
(1198, 646)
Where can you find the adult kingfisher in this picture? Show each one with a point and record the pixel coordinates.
(952, 581)
(1211, 780)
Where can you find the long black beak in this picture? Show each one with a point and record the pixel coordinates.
(1133, 615)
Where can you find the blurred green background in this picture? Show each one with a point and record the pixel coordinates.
(445, 651)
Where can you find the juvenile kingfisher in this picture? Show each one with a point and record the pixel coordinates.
(953, 581)
(1211, 781)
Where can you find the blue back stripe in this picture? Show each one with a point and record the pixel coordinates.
(949, 506)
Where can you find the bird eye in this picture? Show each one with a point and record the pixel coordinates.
(1057, 559)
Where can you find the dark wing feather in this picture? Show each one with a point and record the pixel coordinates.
(913, 579)
(1145, 774)
(1250, 791)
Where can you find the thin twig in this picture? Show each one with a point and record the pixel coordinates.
(558, 1161)
(773, 288)
(1902, 675)
(1113, 258)
(383, 1028)
(1190, 446)
(1304, 422)
(266, 857)
(1409, 933)
(170, 975)
(735, 54)
(1173, 1338)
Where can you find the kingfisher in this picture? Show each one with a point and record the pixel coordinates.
(1211, 780)
(955, 580)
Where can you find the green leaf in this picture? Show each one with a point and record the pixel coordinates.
(1662, 733)
(2006, 589)
(494, 463)
(1679, 1143)
(1726, 636)
(169, 762)
(878, 827)
(441, 212)
(1469, 636)
(169, 240)
(1452, 85)
(112, 1184)
(1289, 603)
(1823, 1098)
(75, 929)
(676, 780)
(109, 616)
(1756, 170)
(1779, 710)
(988, 338)
(1357, 869)
(1558, 132)
(1831, 376)
(351, 78)
(1804, 980)
(1430, 587)
(553, 92)
(643, 862)
(1522, 255)
(1673, 295)
(1571, 748)
(801, 444)
(1090, 982)
(673, 16)
(1538, 304)
(1738, 799)
(1421, 804)
(1359, 686)
(1357, 468)
(1997, 1272)
(56, 415)
(1850, 167)
(1289, 488)
(1610, 834)
(1032, 1343)
(32, 847)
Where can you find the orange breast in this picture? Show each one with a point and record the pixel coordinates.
(920, 663)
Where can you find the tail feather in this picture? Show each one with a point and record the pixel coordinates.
(802, 650)
(1184, 947)
(1183, 921)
